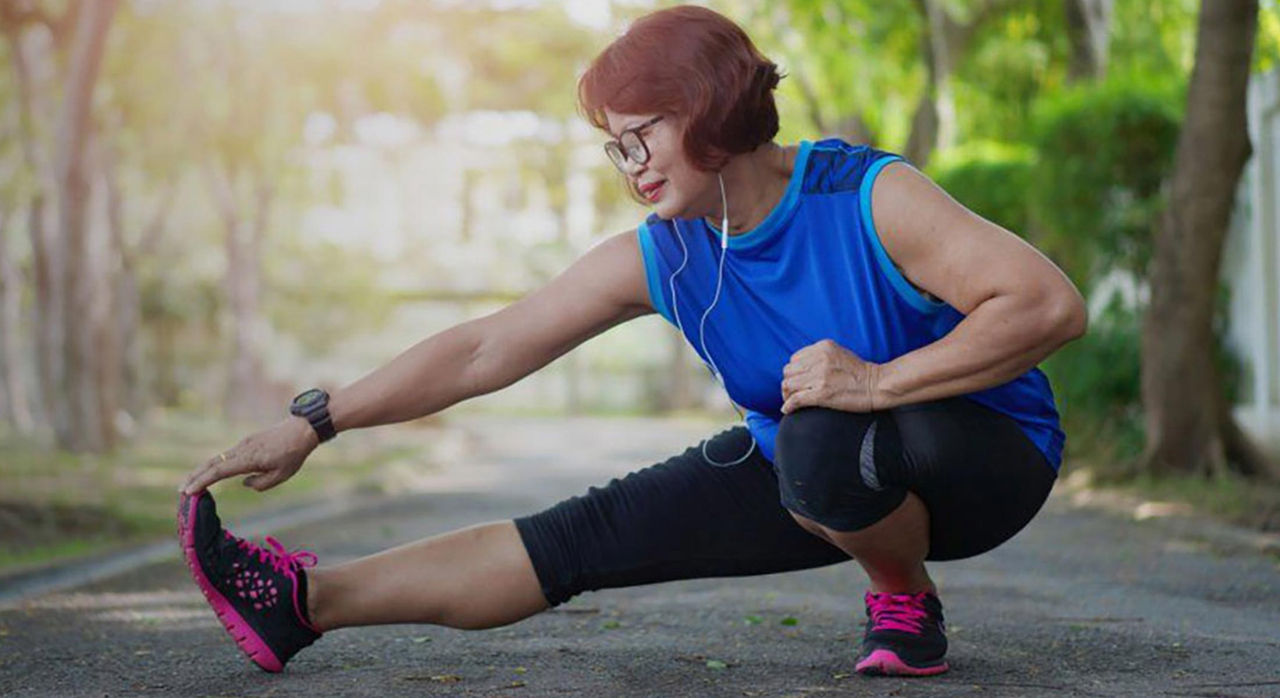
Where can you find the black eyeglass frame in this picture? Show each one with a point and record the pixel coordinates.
(619, 153)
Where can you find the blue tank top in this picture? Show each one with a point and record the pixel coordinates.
(814, 269)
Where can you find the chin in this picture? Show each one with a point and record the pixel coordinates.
(666, 210)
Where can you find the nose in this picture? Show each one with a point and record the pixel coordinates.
(633, 169)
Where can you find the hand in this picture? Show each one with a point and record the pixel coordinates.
(269, 457)
(826, 374)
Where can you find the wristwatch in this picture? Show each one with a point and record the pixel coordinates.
(313, 406)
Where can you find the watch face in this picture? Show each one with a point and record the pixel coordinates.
(308, 398)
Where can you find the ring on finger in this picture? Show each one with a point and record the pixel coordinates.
(222, 457)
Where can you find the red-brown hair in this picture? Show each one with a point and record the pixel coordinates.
(697, 65)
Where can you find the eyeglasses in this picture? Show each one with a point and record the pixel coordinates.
(630, 146)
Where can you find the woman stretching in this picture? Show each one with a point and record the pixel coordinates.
(882, 338)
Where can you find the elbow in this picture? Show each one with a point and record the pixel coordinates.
(1067, 317)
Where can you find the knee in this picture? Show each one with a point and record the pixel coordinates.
(818, 443)
(829, 466)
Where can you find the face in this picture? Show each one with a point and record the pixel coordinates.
(671, 184)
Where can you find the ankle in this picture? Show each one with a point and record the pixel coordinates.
(903, 585)
(314, 609)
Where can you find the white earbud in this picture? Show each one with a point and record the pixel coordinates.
(724, 222)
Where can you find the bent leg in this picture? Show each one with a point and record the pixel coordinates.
(829, 463)
(680, 519)
(476, 577)
(942, 480)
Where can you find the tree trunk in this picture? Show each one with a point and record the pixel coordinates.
(72, 134)
(244, 234)
(14, 408)
(933, 123)
(943, 43)
(1089, 32)
(27, 57)
(1190, 428)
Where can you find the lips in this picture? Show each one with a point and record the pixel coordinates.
(651, 190)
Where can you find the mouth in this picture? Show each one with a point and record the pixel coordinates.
(653, 190)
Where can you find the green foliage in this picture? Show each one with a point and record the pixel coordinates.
(1097, 382)
(1266, 54)
(991, 179)
(1105, 150)
(1154, 37)
(1013, 61)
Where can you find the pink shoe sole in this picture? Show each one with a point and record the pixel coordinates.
(246, 639)
(886, 663)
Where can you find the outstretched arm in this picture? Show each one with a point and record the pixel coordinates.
(603, 288)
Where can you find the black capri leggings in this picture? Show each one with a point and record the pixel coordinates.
(979, 476)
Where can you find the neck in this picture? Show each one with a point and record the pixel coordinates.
(754, 183)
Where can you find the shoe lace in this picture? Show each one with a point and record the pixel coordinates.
(905, 612)
(280, 559)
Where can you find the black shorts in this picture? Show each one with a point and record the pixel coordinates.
(979, 475)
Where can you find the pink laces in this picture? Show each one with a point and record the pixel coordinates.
(905, 612)
(280, 559)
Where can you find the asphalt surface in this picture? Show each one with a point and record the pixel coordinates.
(1083, 602)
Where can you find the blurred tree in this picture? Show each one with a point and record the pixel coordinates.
(855, 63)
(15, 409)
(63, 51)
(141, 139)
(250, 124)
(1189, 424)
(1089, 30)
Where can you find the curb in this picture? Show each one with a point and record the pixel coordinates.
(73, 573)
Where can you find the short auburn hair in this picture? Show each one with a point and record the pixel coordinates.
(694, 63)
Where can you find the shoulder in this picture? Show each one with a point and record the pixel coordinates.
(834, 165)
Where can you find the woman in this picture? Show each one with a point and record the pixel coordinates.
(882, 337)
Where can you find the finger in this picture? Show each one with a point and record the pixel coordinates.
(807, 396)
(220, 470)
(198, 473)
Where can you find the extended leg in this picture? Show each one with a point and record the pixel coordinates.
(476, 577)
(678, 519)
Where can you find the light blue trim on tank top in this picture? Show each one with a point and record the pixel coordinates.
(899, 282)
(780, 213)
(645, 238)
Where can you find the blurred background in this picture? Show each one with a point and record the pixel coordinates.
(209, 205)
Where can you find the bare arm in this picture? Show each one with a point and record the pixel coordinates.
(604, 288)
(1018, 306)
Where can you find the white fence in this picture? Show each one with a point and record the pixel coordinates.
(1251, 266)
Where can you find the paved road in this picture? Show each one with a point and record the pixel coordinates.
(1081, 603)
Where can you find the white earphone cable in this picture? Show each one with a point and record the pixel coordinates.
(702, 337)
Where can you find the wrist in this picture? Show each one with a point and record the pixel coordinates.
(305, 434)
(881, 392)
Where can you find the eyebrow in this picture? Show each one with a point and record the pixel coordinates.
(628, 128)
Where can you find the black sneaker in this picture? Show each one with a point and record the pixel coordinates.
(260, 595)
(905, 636)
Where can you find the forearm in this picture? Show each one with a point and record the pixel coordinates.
(1000, 340)
(427, 378)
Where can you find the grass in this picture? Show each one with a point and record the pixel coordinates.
(1243, 502)
(55, 505)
